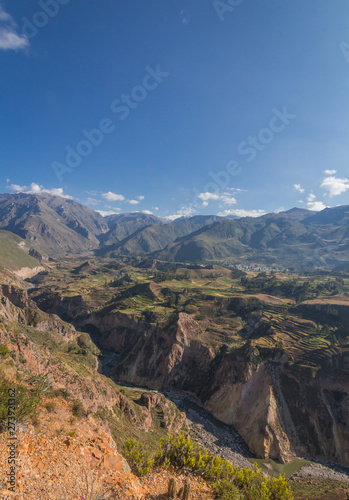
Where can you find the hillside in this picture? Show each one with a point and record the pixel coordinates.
(56, 226)
(156, 237)
(74, 424)
(265, 354)
(17, 255)
(123, 225)
(312, 241)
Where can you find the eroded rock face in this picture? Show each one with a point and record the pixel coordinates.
(319, 406)
(281, 409)
(28, 272)
(246, 400)
(171, 357)
(15, 305)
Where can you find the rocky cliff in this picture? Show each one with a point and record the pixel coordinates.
(280, 407)
(15, 305)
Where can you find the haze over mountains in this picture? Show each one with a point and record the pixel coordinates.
(57, 226)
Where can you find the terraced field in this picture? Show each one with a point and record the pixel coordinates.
(275, 320)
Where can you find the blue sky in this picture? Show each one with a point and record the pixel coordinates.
(177, 108)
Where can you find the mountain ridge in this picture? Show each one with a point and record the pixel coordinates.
(58, 226)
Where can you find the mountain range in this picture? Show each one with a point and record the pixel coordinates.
(57, 226)
(293, 238)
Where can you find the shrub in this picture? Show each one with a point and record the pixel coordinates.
(78, 409)
(75, 348)
(181, 452)
(138, 457)
(61, 393)
(26, 402)
(90, 493)
(226, 490)
(41, 384)
(4, 350)
(229, 482)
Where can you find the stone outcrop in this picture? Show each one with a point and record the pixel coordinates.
(28, 272)
(15, 305)
(66, 466)
(280, 408)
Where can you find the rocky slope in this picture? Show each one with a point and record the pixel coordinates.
(56, 226)
(16, 306)
(123, 225)
(155, 237)
(282, 404)
(72, 428)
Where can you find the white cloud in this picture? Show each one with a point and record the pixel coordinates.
(183, 212)
(226, 198)
(148, 212)
(298, 188)
(38, 189)
(140, 198)
(335, 186)
(92, 201)
(317, 206)
(104, 213)
(312, 204)
(330, 172)
(133, 202)
(113, 197)
(10, 38)
(208, 196)
(240, 212)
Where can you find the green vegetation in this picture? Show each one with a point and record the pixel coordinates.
(137, 457)
(4, 350)
(27, 399)
(301, 318)
(78, 409)
(320, 488)
(228, 482)
(292, 288)
(12, 256)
